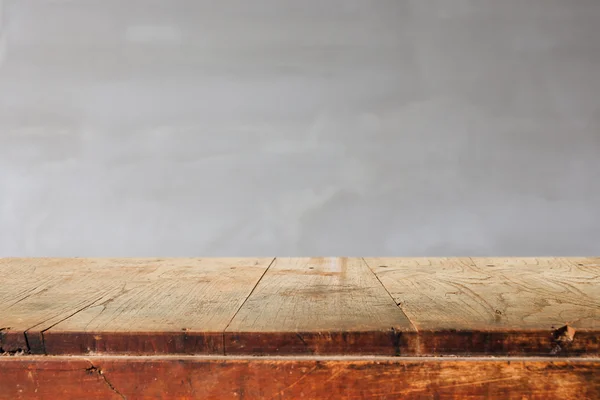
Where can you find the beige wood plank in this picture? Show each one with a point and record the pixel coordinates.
(317, 305)
(42, 292)
(19, 282)
(517, 295)
(122, 295)
(169, 306)
(549, 291)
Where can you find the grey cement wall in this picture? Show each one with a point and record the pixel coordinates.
(314, 127)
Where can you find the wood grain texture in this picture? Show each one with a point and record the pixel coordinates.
(17, 285)
(39, 293)
(182, 306)
(455, 306)
(317, 306)
(262, 378)
(130, 305)
(496, 306)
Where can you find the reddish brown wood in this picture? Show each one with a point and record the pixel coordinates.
(499, 343)
(12, 340)
(387, 343)
(423, 343)
(260, 378)
(133, 343)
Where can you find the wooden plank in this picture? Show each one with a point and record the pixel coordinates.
(39, 293)
(317, 306)
(302, 306)
(143, 305)
(24, 277)
(155, 377)
(17, 286)
(496, 306)
(173, 306)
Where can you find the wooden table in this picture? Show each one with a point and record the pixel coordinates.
(292, 327)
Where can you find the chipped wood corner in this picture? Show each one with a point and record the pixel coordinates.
(564, 334)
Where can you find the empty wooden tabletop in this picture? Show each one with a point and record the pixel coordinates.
(287, 306)
(318, 305)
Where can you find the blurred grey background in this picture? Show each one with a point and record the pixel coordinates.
(314, 127)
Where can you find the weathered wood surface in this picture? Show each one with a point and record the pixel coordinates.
(36, 294)
(496, 306)
(125, 305)
(317, 306)
(396, 306)
(154, 377)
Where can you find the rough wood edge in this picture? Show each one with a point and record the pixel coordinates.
(389, 343)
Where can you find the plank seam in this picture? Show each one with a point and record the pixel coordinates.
(392, 297)
(244, 302)
(58, 322)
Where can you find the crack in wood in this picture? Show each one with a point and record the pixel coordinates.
(95, 370)
(396, 302)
